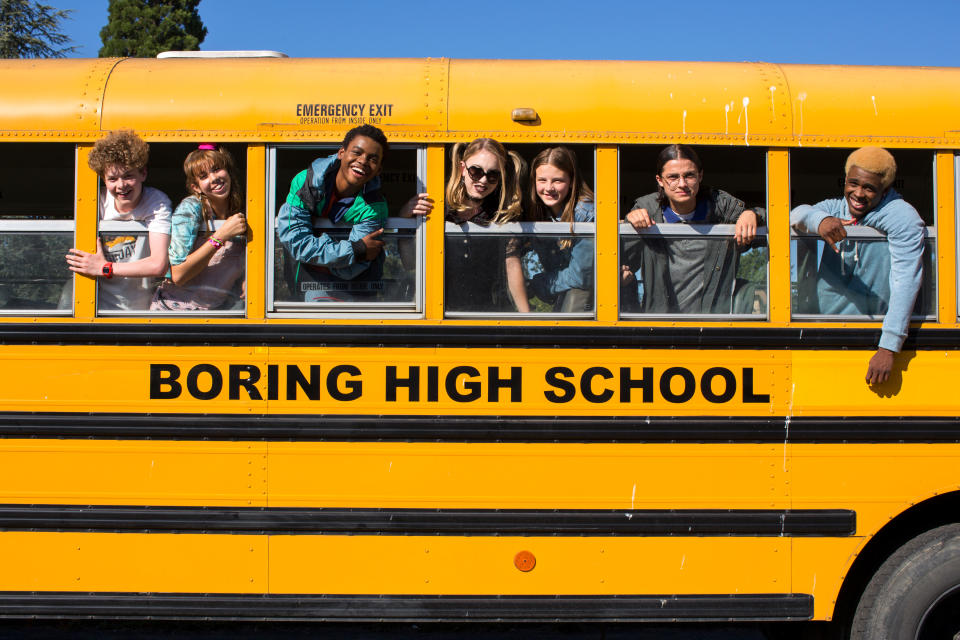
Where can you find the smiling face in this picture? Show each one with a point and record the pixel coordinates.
(360, 163)
(125, 185)
(862, 191)
(483, 185)
(213, 184)
(680, 180)
(553, 187)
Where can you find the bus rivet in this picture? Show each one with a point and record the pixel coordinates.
(524, 561)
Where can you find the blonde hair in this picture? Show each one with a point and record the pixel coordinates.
(875, 160)
(122, 148)
(200, 161)
(510, 203)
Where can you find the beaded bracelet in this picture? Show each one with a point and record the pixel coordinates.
(217, 243)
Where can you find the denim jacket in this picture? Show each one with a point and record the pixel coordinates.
(870, 278)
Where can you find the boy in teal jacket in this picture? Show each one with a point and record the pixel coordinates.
(345, 188)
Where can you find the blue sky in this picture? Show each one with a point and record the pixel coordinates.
(804, 31)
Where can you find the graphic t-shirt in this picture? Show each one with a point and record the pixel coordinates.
(131, 294)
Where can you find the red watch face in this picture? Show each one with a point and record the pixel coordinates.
(108, 269)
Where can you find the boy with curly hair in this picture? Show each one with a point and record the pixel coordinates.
(126, 264)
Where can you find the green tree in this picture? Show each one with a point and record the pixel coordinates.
(144, 28)
(32, 30)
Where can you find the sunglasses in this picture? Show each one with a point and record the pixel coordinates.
(475, 173)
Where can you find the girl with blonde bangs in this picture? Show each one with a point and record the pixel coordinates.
(207, 263)
(558, 193)
(485, 184)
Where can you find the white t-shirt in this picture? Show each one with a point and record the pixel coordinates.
(131, 293)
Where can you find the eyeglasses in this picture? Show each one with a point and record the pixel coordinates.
(475, 173)
(674, 179)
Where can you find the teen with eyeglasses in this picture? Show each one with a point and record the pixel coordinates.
(687, 275)
(484, 188)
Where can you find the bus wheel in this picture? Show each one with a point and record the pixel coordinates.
(916, 592)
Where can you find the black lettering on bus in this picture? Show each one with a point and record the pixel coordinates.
(689, 384)
(554, 380)
(472, 386)
(273, 382)
(411, 382)
(164, 375)
(433, 384)
(729, 389)
(193, 382)
(628, 383)
(748, 395)
(246, 376)
(586, 384)
(354, 387)
(514, 383)
(295, 379)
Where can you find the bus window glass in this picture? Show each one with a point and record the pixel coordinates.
(853, 282)
(216, 288)
(36, 227)
(680, 251)
(536, 260)
(388, 281)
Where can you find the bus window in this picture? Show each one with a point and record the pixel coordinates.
(538, 260)
(679, 254)
(36, 227)
(817, 175)
(215, 290)
(388, 282)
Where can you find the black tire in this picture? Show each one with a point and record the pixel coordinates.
(915, 593)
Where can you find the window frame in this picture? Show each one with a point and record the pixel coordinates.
(343, 310)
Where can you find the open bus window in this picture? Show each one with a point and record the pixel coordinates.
(536, 262)
(217, 289)
(853, 283)
(694, 268)
(36, 227)
(390, 281)
(539, 268)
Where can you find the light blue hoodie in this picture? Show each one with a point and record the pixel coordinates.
(871, 278)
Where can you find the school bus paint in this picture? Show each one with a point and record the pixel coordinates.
(65, 561)
(74, 379)
(132, 472)
(527, 476)
(831, 383)
(441, 100)
(946, 270)
(604, 565)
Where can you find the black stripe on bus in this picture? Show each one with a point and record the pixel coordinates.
(755, 337)
(407, 608)
(459, 522)
(446, 428)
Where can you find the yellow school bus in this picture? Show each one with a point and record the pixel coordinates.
(393, 457)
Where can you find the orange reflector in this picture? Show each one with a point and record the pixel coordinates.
(525, 561)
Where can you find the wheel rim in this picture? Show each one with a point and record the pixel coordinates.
(942, 617)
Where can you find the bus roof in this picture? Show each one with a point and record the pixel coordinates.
(441, 100)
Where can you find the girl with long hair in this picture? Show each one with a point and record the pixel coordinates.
(484, 188)
(206, 262)
(558, 193)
